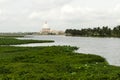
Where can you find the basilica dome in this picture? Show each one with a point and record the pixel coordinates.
(45, 25)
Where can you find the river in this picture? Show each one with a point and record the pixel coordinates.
(108, 48)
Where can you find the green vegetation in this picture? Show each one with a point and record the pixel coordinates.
(13, 41)
(95, 32)
(14, 36)
(53, 63)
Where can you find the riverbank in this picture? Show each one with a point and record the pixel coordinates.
(53, 63)
(104, 31)
(14, 41)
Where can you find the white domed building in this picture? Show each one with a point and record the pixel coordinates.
(45, 29)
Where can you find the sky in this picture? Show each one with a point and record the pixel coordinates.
(30, 15)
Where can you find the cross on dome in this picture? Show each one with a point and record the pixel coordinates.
(45, 25)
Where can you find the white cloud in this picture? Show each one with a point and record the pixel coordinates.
(0, 12)
(34, 15)
(30, 13)
(2, 1)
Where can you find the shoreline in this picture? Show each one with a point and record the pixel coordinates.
(60, 61)
(53, 62)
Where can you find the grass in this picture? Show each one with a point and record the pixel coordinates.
(11, 36)
(13, 41)
(53, 63)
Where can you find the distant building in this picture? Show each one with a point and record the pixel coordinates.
(55, 32)
(45, 29)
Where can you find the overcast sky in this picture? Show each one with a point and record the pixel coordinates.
(29, 15)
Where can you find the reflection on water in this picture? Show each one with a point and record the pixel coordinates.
(109, 48)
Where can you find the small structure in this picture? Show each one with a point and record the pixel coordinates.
(55, 32)
(45, 29)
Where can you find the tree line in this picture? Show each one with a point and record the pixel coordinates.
(105, 31)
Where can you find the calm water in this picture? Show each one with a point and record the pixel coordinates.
(108, 48)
